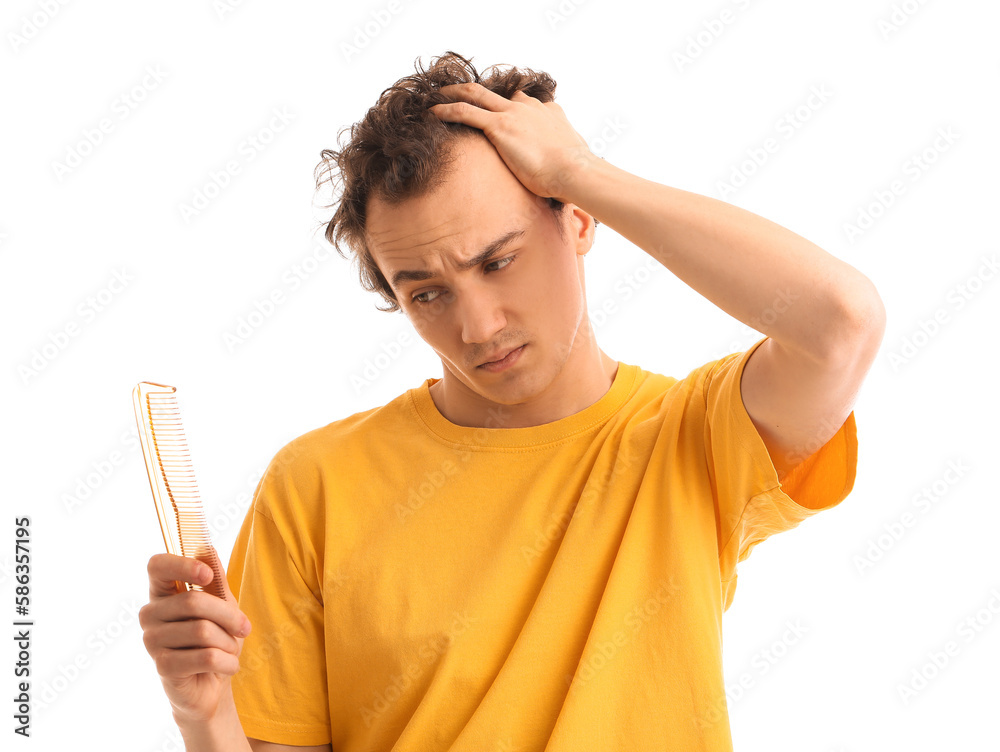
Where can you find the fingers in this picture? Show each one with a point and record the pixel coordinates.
(461, 112)
(195, 604)
(478, 94)
(166, 570)
(190, 632)
(194, 638)
(186, 635)
(180, 664)
(198, 605)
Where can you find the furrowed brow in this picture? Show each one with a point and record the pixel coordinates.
(494, 247)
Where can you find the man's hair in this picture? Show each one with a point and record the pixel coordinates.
(400, 150)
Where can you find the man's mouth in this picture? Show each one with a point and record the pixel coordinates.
(496, 357)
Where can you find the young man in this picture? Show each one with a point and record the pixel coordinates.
(534, 551)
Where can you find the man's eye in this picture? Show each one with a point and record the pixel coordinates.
(417, 298)
(509, 258)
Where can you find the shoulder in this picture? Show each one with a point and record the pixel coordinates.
(340, 444)
(660, 397)
(316, 471)
(712, 374)
(653, 385)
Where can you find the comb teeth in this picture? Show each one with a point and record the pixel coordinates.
(172, 480)
(174, 460)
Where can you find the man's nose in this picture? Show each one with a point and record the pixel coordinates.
(482, 316)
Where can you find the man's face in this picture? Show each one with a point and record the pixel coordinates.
(531, 292)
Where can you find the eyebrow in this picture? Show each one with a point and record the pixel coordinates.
(411, 275)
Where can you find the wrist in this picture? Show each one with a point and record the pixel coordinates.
(582, 166)
(220, 732)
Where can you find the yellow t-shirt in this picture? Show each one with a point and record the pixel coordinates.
(418, 585)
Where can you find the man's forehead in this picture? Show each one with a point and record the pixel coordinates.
(415, 263)
(403, 239)
(418, 232)
(461, 231)
(478, 193)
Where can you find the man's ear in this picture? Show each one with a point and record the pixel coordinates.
(581, 227)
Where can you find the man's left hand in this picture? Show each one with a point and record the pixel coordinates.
(533, 138)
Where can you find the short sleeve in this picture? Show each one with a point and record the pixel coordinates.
(280, 690)
(752, 504)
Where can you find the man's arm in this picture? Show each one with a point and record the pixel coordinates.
(796, 403)
(824, 319)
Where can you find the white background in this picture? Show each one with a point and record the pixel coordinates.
(897, 75)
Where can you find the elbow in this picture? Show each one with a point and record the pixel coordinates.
(870, 319)
(859, 335)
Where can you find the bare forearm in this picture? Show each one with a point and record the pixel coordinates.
(223, 733)
(752, 268)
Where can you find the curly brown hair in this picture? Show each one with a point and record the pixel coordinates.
(401, 151)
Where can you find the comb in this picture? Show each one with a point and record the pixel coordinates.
(171, 478)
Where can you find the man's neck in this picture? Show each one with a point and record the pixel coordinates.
(574, 389)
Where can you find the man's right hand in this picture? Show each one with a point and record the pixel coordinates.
(194, 637)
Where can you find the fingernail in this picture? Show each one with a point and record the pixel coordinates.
(246, 627)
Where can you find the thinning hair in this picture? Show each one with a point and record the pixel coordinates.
(400, 151)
